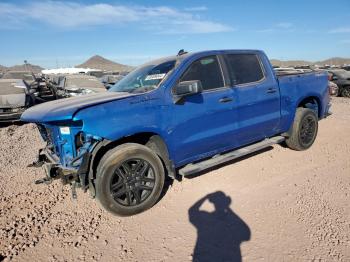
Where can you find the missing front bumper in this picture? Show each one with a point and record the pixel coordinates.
(54, 170)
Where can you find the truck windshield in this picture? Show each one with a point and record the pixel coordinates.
(144, 78)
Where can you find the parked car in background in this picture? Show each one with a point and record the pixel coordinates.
(347, 67)
(27, 76)
(13, 99)
(177, 115)
(341, 78)
(284, 69)
(25, 89)
(77, 85)
(109, 80)
(16, 95)
(289, 71)
(333, 88)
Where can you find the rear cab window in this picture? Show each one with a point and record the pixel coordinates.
(244, 68)
(207, 70)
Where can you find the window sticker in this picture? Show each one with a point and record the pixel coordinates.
(207, 61)
(155, 77)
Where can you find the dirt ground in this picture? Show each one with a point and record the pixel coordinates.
(278, 205)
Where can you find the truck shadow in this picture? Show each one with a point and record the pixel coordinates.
(228, 163)
(219, 233)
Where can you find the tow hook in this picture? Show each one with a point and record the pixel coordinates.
(44, 180)
(36, 164)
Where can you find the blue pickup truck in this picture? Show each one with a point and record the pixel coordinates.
(174, 117)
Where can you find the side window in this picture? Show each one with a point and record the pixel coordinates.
(207, 70)
(244, 68)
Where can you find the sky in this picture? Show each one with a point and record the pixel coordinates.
(65, 33)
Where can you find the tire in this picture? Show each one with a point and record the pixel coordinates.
(129, 180)
(345, 92)
(304, 130)
(336, 93)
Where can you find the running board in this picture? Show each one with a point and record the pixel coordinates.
(219, 159)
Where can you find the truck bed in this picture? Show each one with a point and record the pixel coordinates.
(295, 87)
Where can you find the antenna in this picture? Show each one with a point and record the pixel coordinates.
(181, 52)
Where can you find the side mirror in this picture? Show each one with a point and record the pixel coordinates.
(187, 88)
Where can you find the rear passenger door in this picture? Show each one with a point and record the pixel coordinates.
(204, 122)
(257, 99)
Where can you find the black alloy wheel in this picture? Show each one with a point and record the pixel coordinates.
(303, 131)
(307, 130)
(133, 182)
(129, 179)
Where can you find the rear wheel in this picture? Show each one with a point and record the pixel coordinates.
(304, 130)
(345, 91)
(130, 179)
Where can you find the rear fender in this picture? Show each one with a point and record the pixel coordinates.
(308, 102)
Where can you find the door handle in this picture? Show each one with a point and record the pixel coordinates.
(271, 90)
(225, 100)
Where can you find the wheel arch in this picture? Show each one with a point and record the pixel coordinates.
(150, 139)
(311, 102)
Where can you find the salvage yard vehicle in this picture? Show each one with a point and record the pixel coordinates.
(333, 88)
(77, 85)
(13, 99)
(20, 90)
(173, 117)
(22, 75)
(16, 95)
(110, 80)
(341, 78)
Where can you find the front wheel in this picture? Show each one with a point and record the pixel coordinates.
(304, 130)
(129, 180)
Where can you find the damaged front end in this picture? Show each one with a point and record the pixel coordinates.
(67, 154)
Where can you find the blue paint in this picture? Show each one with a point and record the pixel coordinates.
(198, 128)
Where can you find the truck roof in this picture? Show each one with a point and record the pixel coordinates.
(206, 52)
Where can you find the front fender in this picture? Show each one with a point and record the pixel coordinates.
(123, 118)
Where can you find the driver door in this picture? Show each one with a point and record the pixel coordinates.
(204, 122)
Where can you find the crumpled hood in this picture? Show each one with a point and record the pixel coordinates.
(64, 109)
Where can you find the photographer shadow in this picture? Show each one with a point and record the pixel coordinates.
(219, 233)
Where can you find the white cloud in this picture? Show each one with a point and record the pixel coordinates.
(267, 30)
(340, 30)
(72, 15)
(196, 8)
(283, 26)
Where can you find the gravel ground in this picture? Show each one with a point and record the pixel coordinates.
(278, 205)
